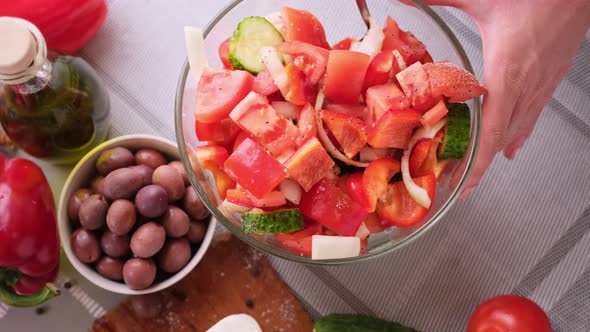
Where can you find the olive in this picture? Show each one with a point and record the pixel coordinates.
(85, 245)
(113, 159)
(122, 183)
(196, 232)
(168, 178)
(175, 222)
(139, 273)
(111, 268)
(148, 239)
(151, 201)
(150, 157)
(193, 205)
(121, 216)
(93, 212)
(115, 245)
(147, 305)
(145, 172)
(75, 201)
(180, 168)
(175, 255)
(97, 185)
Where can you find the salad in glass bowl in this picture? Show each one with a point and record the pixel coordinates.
(310, 150)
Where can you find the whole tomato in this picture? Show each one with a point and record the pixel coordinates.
(509, 313)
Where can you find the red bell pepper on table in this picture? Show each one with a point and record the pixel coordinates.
(66, 25)
(29, 245)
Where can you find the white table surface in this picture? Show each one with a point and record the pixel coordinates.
(525, 230)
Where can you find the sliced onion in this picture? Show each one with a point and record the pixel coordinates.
(400, 60)
(286, 109)
(291, 190)
(372, 42)
(276, 19)
(195, 50)
(272, 61)
(363, 232)
(232, 208)
(416, 192)
(323, 136)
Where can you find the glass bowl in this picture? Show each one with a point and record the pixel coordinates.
(340, 19)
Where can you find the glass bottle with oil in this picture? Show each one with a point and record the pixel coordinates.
(52, 106)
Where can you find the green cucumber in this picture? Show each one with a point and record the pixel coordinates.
(456, 139)
(357, 323)
(280, 221)
(252, 34)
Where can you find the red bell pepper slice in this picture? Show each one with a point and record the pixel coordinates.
(333, 208)
(27, 216)
(211, 157)
(376, 178)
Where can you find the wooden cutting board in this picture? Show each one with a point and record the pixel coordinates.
(232, 278)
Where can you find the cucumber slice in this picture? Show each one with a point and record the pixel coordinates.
(252, 34)
(357, 323)
(280, 221)
(456, 138)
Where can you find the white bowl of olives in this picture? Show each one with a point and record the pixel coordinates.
(129, 220)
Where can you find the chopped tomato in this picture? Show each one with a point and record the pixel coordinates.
(333, 208)
(344, 44)
(414, 81)
(427, 58)
(309, 164)
(374, 224)
(241, 197)
(416, 51)
(300, 241)
(264, 84)
(356, 190)
(314, 59)
(410, 48)
(398, 208)
(257, 117)
(379, 68)
(219, 92)
(345, 76)
(393, 40)
(384, 98)
(212, 158)
(242, 135)
(376, 178)
(348, 131)
(301, 25)
(306, 124)
(453, 82)
(254, 169)
(224, 54)
(435, 114)
(222, 132)
(354, 110)
(297, 88)
(394, 129)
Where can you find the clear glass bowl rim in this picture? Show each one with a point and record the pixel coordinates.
(378, 252)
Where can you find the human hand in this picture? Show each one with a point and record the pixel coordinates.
(528, 47)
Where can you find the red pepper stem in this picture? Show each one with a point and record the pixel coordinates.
(9, 297)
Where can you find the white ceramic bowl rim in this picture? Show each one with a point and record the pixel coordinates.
(71, 185)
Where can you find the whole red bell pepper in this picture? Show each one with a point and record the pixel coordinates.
(29, 245)
(67, 25)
